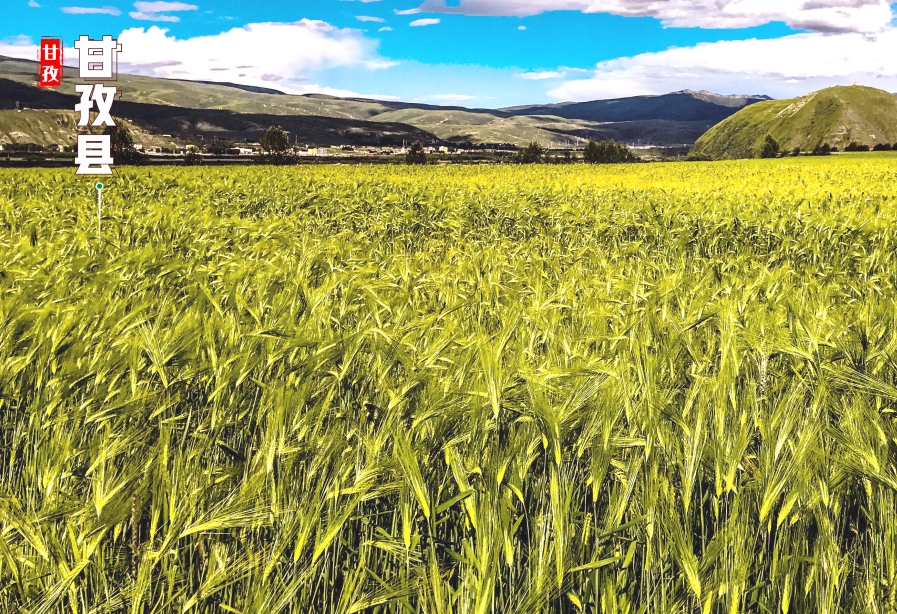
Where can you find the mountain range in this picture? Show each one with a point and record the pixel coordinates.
(193, 109)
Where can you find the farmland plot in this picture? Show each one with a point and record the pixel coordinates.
(650, 388)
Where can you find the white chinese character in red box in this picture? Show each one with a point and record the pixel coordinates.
(49, 66)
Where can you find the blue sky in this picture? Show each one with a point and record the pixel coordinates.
(487, 53)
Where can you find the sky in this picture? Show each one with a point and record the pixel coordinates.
(484, 53)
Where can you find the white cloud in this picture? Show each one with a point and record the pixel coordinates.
(521, 28)
(449, 99)
(33, 4)
(423, 22)
(386, 29)
(20, 46)
(89, 10)
(368, 18)
(542, 75)
(155, 11)
(141, 16)
(252, 54)
(164, 7)
(782, 68)
(865, 16)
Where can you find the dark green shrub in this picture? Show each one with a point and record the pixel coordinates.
(607, 152)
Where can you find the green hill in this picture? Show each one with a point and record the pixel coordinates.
(239, 112)
(184, 123)
(837, 116)
(60, 127)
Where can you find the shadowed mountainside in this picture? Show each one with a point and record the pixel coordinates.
(241, 112)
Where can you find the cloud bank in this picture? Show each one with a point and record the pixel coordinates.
(286, 55)
(783, 67)
(88, 10)
(156, 11)
(831, 16)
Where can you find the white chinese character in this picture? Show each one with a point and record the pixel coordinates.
(103, 97)
(94, 154)
(98, 57)
(50, 74)
(51, 52)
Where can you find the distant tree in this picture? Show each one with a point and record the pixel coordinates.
(275, 146)
(531, 154)
(882, 147)
(416, 154)
(795, 152)
(822, 149)
(24, 147)
(607, 152)
(193, 157)
(123, 150)
(275, 140)
(770, 148)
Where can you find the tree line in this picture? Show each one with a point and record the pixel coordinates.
(596, 152)
(276, 149)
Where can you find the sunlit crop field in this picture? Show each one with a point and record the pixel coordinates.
(628, 389)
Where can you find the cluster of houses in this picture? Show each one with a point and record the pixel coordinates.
(337, 151)
(334, 151)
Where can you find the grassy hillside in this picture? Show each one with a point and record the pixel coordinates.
(59, 127)
(463, 126)
(664, 120)
(837, 116)
(190, 123)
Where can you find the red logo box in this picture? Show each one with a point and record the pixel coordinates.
(49, 65)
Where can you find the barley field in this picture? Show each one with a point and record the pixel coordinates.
(630, 389)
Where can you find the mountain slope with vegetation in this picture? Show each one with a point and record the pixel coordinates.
(153, 120)
(675, 119)
(836, 116)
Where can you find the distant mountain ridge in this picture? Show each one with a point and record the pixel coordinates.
(240, 112)
(685, 105)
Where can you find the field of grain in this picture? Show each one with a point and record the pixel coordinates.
(629, 389)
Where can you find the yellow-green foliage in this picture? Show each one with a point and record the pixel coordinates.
(651, 388)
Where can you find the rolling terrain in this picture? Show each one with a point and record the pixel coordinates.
(240, 112)
(837, 116)
(687, 105)
(188, 123)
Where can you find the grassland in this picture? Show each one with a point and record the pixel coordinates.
(228, 111)
(55, 127)
(837, 116)
(648, 388)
